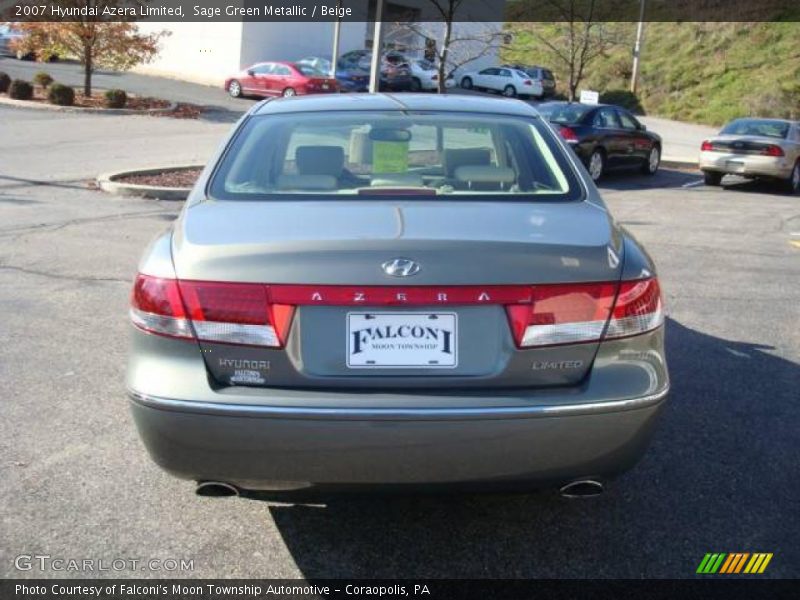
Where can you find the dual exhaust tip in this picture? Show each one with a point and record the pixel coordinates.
(582, 488)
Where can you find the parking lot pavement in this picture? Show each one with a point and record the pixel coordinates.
(720, 476)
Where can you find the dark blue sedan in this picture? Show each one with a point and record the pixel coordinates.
(350, 79)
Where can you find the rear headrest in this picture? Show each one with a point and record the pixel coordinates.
(320, 160)
(457, 157)
(485, 174)
(307, 182)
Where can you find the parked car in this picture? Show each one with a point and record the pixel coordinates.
(408, 291)
(395, 72)
(754, 148)
(280, 79)
(605, 137)
(544, 76)
(509, 82)
(351, 79)
(7, 35)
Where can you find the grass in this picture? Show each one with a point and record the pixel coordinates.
(699, 72)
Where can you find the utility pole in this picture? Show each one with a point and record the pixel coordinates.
(337, 30)
(637, 49)
(377, 44)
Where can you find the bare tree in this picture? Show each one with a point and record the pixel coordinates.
(574, 41)
(454, 47)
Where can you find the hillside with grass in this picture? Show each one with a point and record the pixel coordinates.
(699, 72)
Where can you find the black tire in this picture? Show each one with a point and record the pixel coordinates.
(466, 83)
(510, 91)
(235, 89)
(793, 183)
(416, 84)
(712, 178)
(289, 92)
(648, 166)
(597, 157)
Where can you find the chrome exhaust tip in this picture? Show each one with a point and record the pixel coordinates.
(583, 488)
(216, 489)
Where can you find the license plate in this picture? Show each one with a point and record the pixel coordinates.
(402, 340)
(736, 166)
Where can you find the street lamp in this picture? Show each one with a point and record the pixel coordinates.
(637, 49)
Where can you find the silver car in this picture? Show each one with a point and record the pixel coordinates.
(754, 148)
(396, 290)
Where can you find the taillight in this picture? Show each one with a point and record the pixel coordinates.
(638, 309)
(434, 78)
(231, 313)
(568, 134)
(575, 313)
(706, 146)
(527, 82)
(772, 150)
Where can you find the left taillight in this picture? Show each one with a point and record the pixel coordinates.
(578, 313)
(228, 313)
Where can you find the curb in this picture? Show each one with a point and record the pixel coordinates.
(84, 109)
(678, 162)
(108, 183)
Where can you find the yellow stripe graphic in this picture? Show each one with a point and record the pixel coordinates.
(765, 563)
(751, 564)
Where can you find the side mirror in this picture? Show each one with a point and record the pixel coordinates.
(642, 127)
(251, 72)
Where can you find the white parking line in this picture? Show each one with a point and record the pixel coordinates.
(693, 183)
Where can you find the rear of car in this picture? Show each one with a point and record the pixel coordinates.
(314, 81)
(391, 293)
(763, 148)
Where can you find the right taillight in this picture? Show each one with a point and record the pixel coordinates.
(638, 309)
(228, 313)
(579, 313)
(706, 146)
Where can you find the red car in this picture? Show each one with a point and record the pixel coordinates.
(280, 79)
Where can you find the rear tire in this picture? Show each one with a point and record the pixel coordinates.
(289, 92)
(597, 165)
(510, 91)
(712, 178)
(235, 89)
(416, 84)
(466, 83)
(650, 165)
(793, 183)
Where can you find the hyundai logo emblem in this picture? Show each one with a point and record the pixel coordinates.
(401, 267)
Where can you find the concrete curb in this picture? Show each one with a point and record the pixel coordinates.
(4, 100)
(108, 183)
(676, 162)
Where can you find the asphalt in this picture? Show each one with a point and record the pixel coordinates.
(77, 483)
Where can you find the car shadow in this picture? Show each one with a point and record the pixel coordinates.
(766, 187)
(719, 476)
(631, 179)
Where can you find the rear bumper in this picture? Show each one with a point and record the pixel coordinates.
(265, 448)
(746, 164)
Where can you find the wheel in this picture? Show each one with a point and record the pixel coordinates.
(650, 166)
(416, 84)
(466, 83)
(712, 178)
(509, 91)
(793, 183)
(235, 89)
(289, 92)
(597, 165)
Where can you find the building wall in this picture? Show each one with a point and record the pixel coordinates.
(199, 52)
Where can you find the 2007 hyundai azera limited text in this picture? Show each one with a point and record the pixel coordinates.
(396, 290)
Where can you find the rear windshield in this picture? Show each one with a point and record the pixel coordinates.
(308, 70)
(563, 113)
(762, 127)
(379, 153)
